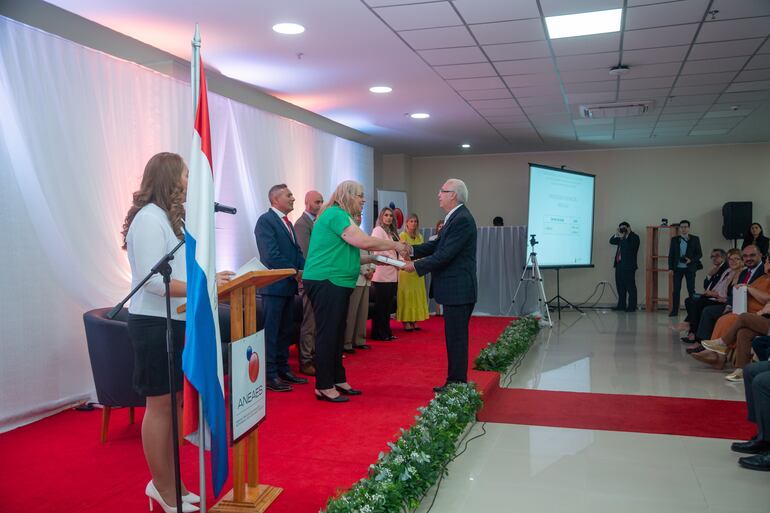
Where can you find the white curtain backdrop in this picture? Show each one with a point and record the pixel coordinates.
(76, 129)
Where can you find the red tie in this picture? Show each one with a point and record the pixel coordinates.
(748, 275)
(617, 255)
(288, 225)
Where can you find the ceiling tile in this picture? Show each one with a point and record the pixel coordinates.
(546, 108)
(586, 44)
(697, 89)
(656, 37)
(384, 3)
(724, 49)
(534, 79)
(509, 31)
(495, 104)
(468, 84)
(524, 92)
(654, 70)
(671, 13)
(542, 100)
(739, 87)
(465, 55)
(445, 37)
(753, 74)
(655, 55)
(706, 78)
(709, 123)
(632, 84)
(524, 66)
(632, 132)
(578, 98)
(741, 8)
(643, 94)
(706, 99)
(482, 11)
(585, 75)
(713, 65)
(590, 61)
(734, 29)
(513, 51)
(560, 7)
(485, 94)
(550, 120)
(759, 61)
(690, 109)
(481, 69)
(582, 123)
(671, 131)
(636, 122)
(499, 112)
(765, 47)
(692, 116)
(605, 86)
(675, 123)
(739, 98)
(417, 16)
(518, 118)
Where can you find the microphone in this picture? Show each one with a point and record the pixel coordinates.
(218, 207)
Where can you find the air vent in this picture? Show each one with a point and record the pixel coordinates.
(616, 110)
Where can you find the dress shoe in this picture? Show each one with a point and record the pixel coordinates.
(756, 462)
(753, 446)
(323, 397)
(618, 308)
(631, 309)
(191, 498)
(347, 391)
(277, 385)
(153, 495)
(363, 346)
(673, 314)
(715, 345)
(687, 340)
(717, 361)
(308, 369)
(392, 337)
(697, 349)
(445, 386)
(290, 377)
(348, 350)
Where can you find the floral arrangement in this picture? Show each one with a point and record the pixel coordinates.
(401, 477)
(513, 342)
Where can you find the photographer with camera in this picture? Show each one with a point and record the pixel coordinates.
(684, 256)
(625, 266)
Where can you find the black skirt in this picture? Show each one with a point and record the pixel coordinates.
(148, 336)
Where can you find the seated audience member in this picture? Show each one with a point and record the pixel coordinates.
(757, 389)
(723, 275)
(711, 314)
(761, 347)
(358, 306)
(757, 237)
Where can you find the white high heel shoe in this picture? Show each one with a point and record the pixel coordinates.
(153, 494)
(191, 498)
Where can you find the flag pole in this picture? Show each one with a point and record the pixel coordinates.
(195, 84)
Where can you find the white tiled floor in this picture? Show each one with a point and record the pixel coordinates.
(514, 468)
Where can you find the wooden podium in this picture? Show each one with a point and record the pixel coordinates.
(655, 264)
(247, 495)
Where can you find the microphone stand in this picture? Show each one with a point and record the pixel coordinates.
(163, 267)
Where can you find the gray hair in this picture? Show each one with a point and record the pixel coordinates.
(274, 190)
(459, 187)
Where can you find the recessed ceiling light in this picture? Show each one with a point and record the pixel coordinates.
(465, 146)
(584, 24)
(420, 115)
(288, 28)
(380, 89)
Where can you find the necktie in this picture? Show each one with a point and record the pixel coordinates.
(288, 225)
(617, 255)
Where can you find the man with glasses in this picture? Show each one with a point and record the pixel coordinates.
(684, 257)
(714, 291)
(451, 260)
(625, 266)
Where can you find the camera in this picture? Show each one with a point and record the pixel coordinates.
(622, 229)
(664, 222)
(683, 260)
(532, 240)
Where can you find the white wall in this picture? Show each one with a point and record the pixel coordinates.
(639, 186)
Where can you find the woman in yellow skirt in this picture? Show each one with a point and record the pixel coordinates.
(412, 304)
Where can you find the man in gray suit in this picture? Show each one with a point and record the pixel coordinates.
(303, 228)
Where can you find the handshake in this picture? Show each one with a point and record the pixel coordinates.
(403, 250)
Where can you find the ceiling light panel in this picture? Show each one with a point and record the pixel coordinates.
(586, 44)
(657, 37)
(509, 31)
(419, 16)
(288, 28)
(725, 30)
(444, 37)
(672, 13)
(562, 7)
(465, 55)
(586, 23)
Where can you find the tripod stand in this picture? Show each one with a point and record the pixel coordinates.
(559, 299)
(534, 276)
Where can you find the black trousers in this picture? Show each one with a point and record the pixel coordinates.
(689, 276)
(708, 319)
(761, 347)
(695, 306)
(277, 320)
(756, 383)
(330, 308)
(625, 281)
(456, 321)
(384, 295)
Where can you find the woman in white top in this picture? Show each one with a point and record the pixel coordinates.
(153, 226)
(385, 279)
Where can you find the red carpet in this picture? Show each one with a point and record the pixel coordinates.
(613, 412)
(308, 448)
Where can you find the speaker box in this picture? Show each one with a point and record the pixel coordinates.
(736, 219)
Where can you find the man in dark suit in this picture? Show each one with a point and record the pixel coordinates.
(684, 256)
(278, 249)
(756, 380)
(625, 266)
(303, 228)
(451, 260)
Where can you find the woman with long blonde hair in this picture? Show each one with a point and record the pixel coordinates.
(385, 279)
